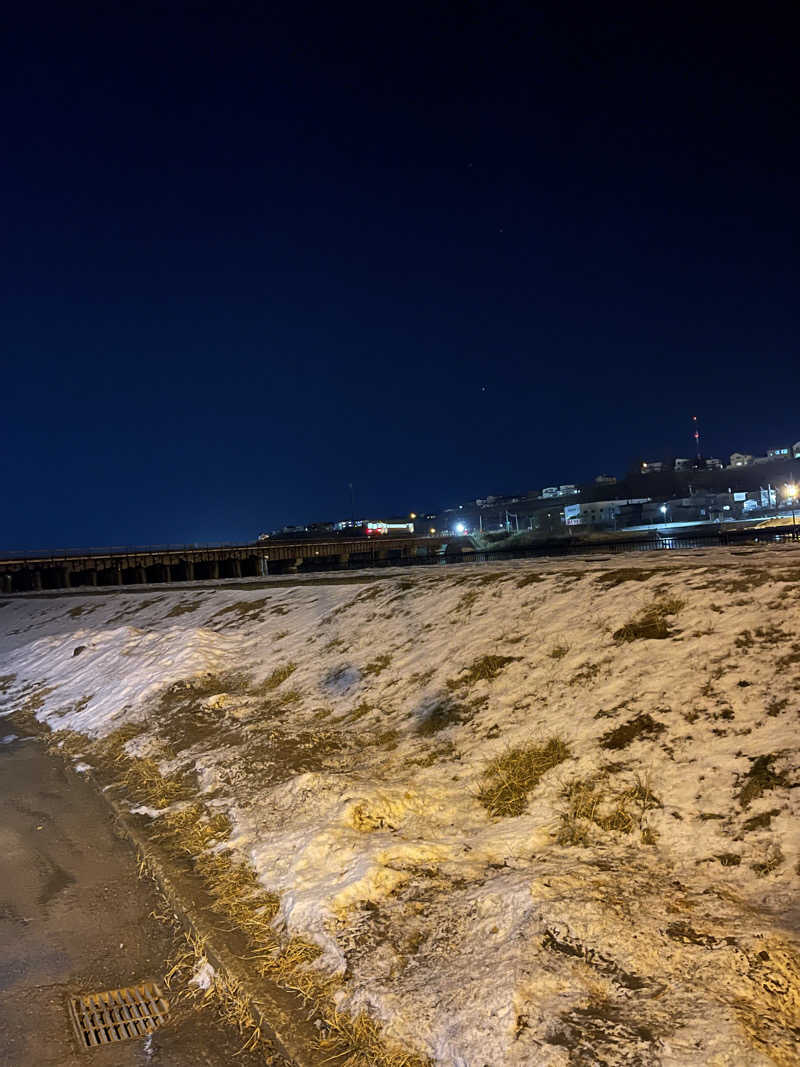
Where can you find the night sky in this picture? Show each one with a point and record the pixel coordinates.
(251, 254)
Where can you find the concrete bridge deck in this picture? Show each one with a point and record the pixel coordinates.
(71, 569)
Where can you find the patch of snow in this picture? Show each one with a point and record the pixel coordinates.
(203, 976)
(152, 813)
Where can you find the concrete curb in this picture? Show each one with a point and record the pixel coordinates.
(290, 1031)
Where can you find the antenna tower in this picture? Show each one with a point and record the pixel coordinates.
(696, 436)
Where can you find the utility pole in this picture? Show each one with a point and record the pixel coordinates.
(696, 436)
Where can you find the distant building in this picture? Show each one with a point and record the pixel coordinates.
(651, 468)
(796, 450)
(778, 453)
(684, 464)
(601, 514)
(713, 464)
(740, 459)
(553, 491)
(605, 479)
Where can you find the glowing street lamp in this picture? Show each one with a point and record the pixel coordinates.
(790, 492)
(664, 509)
(460, 528)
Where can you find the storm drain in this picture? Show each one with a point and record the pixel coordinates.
(117, 1015)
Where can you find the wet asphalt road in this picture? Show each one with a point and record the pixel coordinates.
(75, 918)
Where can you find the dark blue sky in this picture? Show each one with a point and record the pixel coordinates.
(253, 253)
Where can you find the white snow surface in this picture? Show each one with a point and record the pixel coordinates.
(479, 940)
(203, 976)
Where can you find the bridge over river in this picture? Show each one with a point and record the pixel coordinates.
(74, 568)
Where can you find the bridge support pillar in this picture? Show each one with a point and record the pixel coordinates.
(141, 575)
(189, 570)
(117, 572)
(263, 567)
(213, 569)
(36, 580)
(7, 583)
(166, 572)
(236, 568)
(91, 577)
(343, 559)
(293, 568)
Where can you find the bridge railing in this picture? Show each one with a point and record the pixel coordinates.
(118, 550)
(338, 544)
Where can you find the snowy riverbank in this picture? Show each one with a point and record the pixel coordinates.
(636, 904)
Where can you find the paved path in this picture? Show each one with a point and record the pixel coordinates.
(75, 917)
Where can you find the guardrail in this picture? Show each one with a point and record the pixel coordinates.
(118, 550)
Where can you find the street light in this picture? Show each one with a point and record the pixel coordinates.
(664, 509)
(790, 492)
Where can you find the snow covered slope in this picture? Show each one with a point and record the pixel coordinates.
(382, 750)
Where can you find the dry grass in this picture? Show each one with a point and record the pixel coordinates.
(32, 699)
(192, 828)
(243, 610)
(6, 682)
(443, 714)
(421, 678)
(651, 623)
(335, 645)
(593, 802)
(183, 608)
(376, 666)
(273, 680)
(465, 604)
(773, 858)
(145, 781)
(641, 728)
(80, 609)
(232, 1004)
(366, 594)
(759, 779)
(356, 713)
(358, 1042)
(514, 774)
(624, 574)
(483, 669)
(528, 579)
(585, 674)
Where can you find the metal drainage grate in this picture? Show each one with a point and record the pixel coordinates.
(117, 1015)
